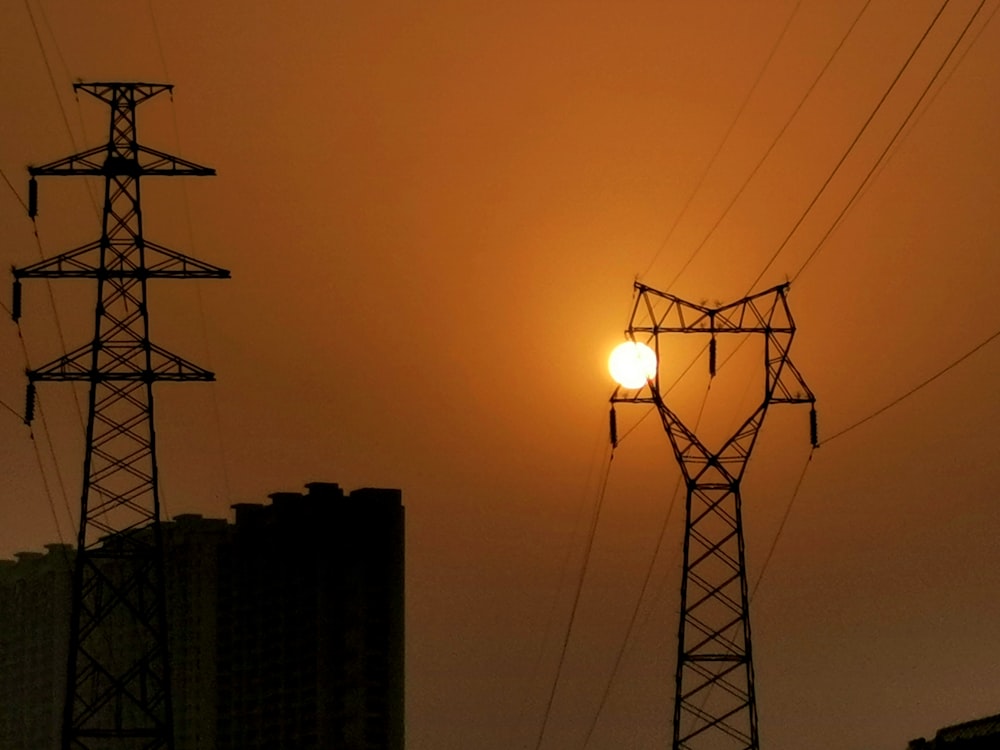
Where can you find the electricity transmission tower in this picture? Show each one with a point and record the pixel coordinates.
(118, 680)
(715, 703)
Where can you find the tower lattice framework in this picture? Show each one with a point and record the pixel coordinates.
(715, 700)
(118, 680)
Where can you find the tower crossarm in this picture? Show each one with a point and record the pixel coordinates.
(120, 361)
(113, 93)
(137, 161)
(656, 312)
(121, 262)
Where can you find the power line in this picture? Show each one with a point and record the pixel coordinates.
(12, 410)
(45, 484)
(48, 70)
(944, 84)
(885, 151)
(774, 143)
(17, 195)
(576, 602)
(55, 87)
(919, 387)
(899, 399)
(722, 144)
(159, 41)
(55, 42)
(55, 467)
(784, 520)
(851, 146)
(601, 446)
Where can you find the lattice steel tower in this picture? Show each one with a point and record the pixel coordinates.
(118, 680)
(715, 703)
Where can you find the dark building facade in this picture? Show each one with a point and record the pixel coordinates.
(330, 568)
(286, 627)
(34, 643)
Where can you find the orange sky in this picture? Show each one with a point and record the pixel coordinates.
(434, 214)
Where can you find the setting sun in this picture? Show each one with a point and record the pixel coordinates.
(632, 364)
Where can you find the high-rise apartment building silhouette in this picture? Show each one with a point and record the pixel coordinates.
(286, 627)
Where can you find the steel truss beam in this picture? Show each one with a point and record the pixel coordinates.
(715, 700)
(118, 679)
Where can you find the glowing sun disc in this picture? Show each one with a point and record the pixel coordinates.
(632, 364)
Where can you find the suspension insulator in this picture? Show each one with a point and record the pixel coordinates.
(711, 357)
(32, 198)
(813, 428)
(29, 403)
(15, 307)
(613, 425)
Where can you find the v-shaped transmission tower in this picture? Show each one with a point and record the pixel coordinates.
(118, 680)
(715, 702)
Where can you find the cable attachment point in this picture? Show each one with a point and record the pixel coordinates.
(29, 403)
(711, 356)
(813, 428)
(613, 427)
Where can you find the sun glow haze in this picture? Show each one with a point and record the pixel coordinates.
(632, 364)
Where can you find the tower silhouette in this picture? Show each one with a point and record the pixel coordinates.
(118, 679)
(715, 700)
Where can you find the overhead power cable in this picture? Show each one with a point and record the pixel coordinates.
(770, 148)
(55, 468)
(944, 83)
(159, 40)
(576, 603)
(45, 484)
(55, 87)
(48, 70)
(850, 148)
(781, 525)
(595, 466)
(899, 399)
(13, 190)
(915, 389)
(892, 141)
(12, 410)
(725, 139)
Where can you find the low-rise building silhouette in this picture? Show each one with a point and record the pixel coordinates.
(286, 627)
(978, 734)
